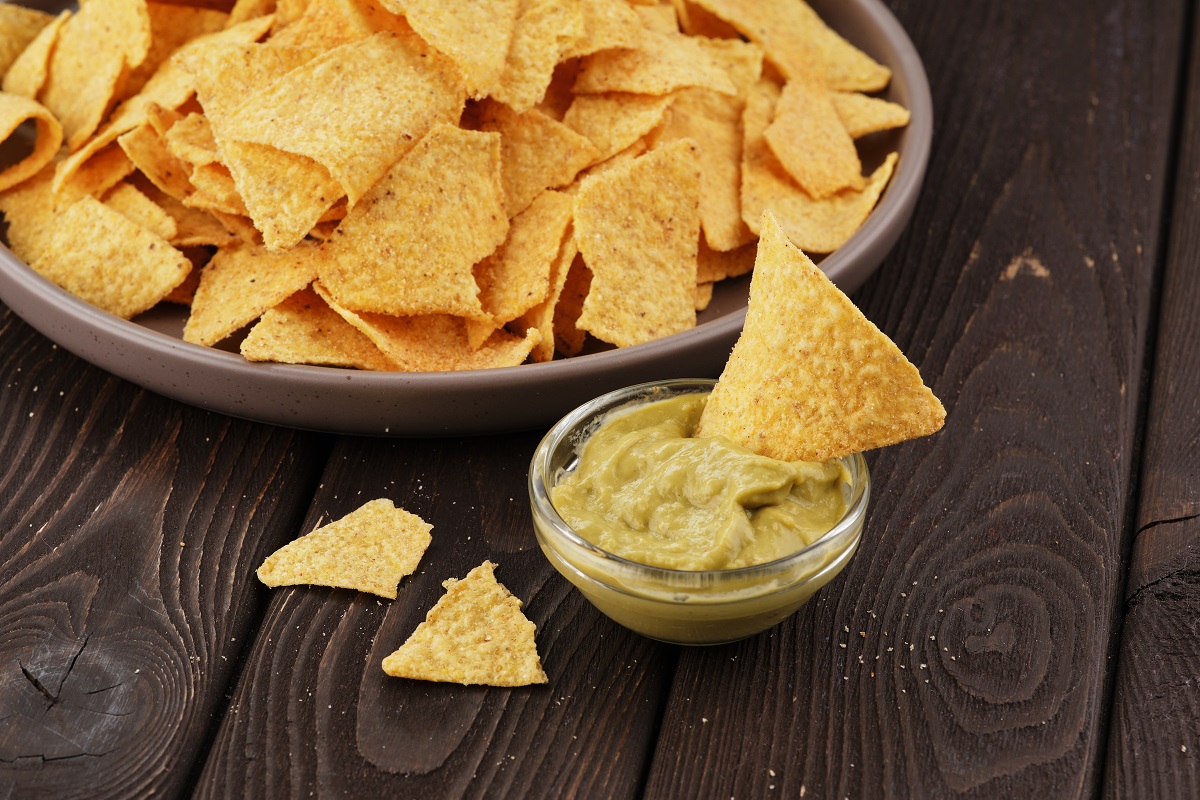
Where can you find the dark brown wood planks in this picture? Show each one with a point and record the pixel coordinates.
(1154, 744)
(967, 651)
(314, 712)
(129, 529)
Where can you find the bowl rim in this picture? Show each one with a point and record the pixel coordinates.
(589, 415)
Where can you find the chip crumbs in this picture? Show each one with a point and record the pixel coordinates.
(370, 550)
(474, 635)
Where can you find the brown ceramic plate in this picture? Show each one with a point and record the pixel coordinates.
(149, 352)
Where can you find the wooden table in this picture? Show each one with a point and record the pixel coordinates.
(1021, 620)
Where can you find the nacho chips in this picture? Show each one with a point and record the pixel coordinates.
(370, 550)
(474, 635)
(811, 378)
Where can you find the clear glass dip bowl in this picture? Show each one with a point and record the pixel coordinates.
(678, 606)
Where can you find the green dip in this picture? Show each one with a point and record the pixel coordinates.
(648, 492)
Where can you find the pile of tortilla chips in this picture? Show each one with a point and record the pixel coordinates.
(428, 185)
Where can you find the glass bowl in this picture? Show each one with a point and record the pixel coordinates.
(678, 606)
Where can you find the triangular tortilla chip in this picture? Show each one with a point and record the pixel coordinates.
(474, 635)
(862, 114)
(658, 64)
(304, 330)
(811, 378)
(475, 34)
(19, 27)
(544, 30)
(369, 549)
(810, 141)
(638, 228)
(408, 247)
(14, 110)
(241, 283)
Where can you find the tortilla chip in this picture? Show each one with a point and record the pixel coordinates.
(800, 44)
(474, 635)
(147, 149)
(541, 316)
(227, 73)
(862, 114)
(15, 110)
(184, 293)
(516, 277)
(216, 190)
(808, 138)
(704, 294)
(717, 265)
(544, 30)
(249, 9)
(695, 21)
(191, 139)
(409, 246)
(434, 342)
(658, 17)
(569, 338)
(18, 27)
(139, 208)
(171, 27)
(325, 24)
(659, 63)
(285, 194)
(816, 226)
(30, 214)
(637, 229)
(100, 173)
(370, 550)
(537, 153)
(98, 255)
(27, 73)
(615, 121)
(475, 34)
(811, 378)
(240, 284)
(606, 24)
(93, 50)
(304, 330)
(354, 110)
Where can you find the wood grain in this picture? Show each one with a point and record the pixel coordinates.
(314, 712)
(128, 527)
(965, 652)
(1154, 744)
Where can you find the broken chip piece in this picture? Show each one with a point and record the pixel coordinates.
(474, 635)
(369, 549)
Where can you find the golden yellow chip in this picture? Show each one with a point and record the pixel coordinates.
(326, 24)
(536, 151)
(541, 317)
(191, 140)
(15, 110)
(100, 173)
(658, 17)
(704, 294)
(27, 73)
(545, 29)
(816, 226)
(98, 255)
(18, 27)
(695, 21)
(304, 330)
(516, 277)
(717, 265)
(475, 34)
(354, 110)
(182, 294)
(137, 207)
(637, 228)
(93, 50)
(216, 190)
(193, 226)
(29, 210)
(147, 149)
(800, 44)
(434, 342)
(285, 194)
(808, 138)
(250, 9)
(474, 635)
(171, 27)
(615, 121)
(658, 64)
(410, 244)
(226, 73)
(370, 550)
(862, 114)
(569, 338)
(811, 378)
(240, 283)
(606, 24)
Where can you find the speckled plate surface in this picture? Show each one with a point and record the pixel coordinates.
(149, 351)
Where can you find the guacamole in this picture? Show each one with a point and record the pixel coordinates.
(647, 491)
